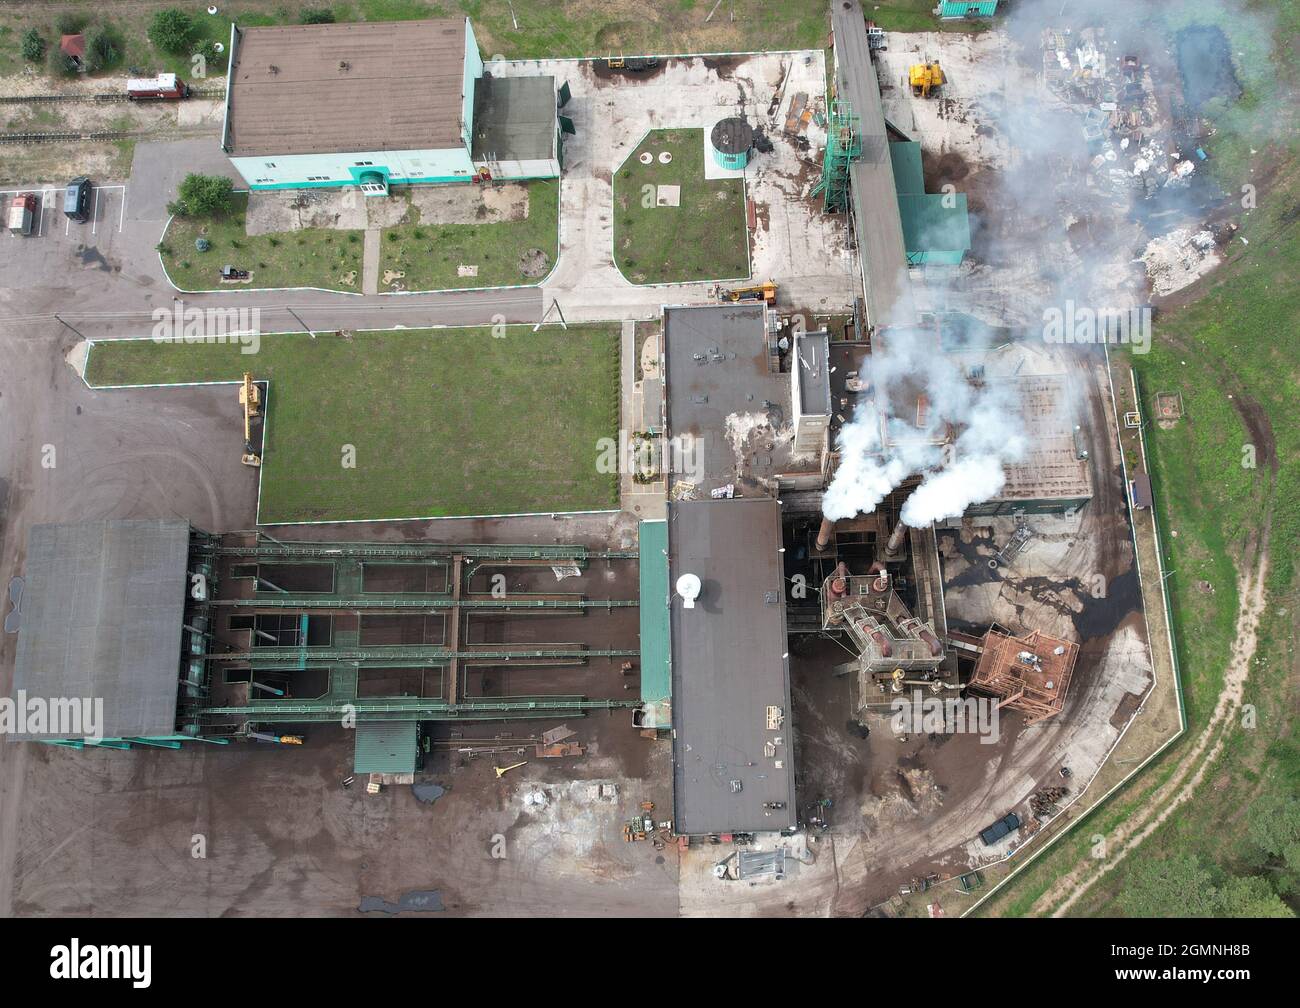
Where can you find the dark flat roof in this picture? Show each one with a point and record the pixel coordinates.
(101, 618)
(728, 667)
(514, 118)
(718, 397)
(813, 362)
(401, 88)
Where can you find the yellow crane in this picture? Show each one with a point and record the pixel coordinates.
(758, 292)
(501, 770)
(250, 397)
(926, 78)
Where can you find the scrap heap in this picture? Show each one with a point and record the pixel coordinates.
(1030, 674)
(1131, 146)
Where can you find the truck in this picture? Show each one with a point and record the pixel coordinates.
(166, 85)
(23, 209)
(1007, 824)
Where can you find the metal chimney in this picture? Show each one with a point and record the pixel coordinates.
(826, 535)
(895, 544)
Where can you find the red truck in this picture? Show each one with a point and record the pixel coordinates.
(21, 219)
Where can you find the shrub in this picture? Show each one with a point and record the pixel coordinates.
(172, 31)
(202, 196)
(103, 50)
(316, 15)
(71, 23)
(33, 46)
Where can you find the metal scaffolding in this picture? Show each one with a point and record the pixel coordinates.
(843, 146)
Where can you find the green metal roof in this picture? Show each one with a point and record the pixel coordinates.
(909, 177)
(931, 227)
(385, 747)
(656, 654)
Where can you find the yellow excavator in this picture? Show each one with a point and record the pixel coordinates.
(250, 397)
(926, 78)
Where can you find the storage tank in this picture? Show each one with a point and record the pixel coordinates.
(732, 140)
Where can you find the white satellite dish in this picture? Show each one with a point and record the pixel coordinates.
(688, 587)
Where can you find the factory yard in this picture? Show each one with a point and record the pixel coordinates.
(364, 426)
(587, 507)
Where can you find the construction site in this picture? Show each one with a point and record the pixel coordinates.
(861, 493)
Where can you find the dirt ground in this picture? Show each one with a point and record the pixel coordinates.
(349, 210)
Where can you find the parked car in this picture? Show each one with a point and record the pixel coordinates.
(999, 829)
(233, 273)
(22, 218)
(76, 199)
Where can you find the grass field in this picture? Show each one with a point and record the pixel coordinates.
(705, 238)
(314, 257)
(430, 254)
(1232, 355)
(444, 422)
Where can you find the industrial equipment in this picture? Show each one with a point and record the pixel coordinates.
(926, 78)
(843, 146)
(876, 38)
(758, 292)
(632, 63)
(501, 771)
(250, 397)
(233, 273)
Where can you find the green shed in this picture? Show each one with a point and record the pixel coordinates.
(967, 8)
(387, 747)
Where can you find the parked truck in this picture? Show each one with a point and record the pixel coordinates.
(23, 209)
(167, 85)
(999, 829)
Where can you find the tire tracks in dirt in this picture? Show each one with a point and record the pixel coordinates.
(1194, 764)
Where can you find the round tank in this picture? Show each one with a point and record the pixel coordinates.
(732, 140)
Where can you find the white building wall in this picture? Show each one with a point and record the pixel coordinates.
(472, 72)
(304, 171)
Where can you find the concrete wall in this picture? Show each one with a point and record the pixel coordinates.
(307, 171)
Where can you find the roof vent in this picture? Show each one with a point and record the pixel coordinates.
(688, 587)
(273, 69)
(344, 66)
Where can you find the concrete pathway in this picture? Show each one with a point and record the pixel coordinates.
(370, 262)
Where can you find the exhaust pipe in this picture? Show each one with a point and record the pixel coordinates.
(895, 544)
(825, 535)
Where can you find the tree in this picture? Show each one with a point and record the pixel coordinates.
(316, 15)
(1177, 886)
(1250, 896)
(202, 196)
(33, 46)
(172, 31)
(71, 23)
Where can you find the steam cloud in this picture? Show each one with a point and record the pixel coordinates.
(987, 417)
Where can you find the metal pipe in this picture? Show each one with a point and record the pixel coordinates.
(896, 538)
(825, 535)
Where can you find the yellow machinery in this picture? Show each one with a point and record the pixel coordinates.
(250, 397)
(759, 292)
(501, 770)
(926, 78)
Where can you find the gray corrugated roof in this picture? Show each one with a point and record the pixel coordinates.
(728, 666)
(101, 618)
(514, 118)
(385, 747)
(312, 89)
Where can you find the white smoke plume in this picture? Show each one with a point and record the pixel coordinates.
(987, 418)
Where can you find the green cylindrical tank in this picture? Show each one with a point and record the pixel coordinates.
(732, 140)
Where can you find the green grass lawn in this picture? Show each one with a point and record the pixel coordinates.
(430, 254)
(705, 238)
(444, 422)
(313, 257)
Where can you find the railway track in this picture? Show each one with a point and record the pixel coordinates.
(99, 136)
(113, 97)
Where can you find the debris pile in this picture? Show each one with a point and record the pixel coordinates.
(1043, 802)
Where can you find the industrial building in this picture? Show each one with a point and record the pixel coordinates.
(376, 104)
(191, 637)
(936, 226)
